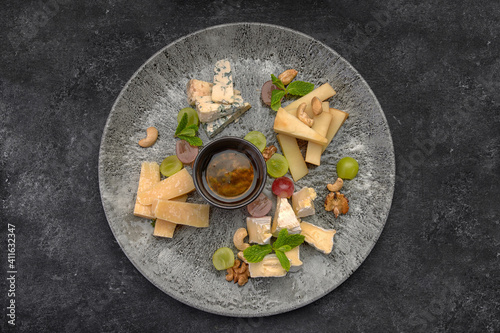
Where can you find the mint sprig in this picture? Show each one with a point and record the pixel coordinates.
(296, 88)
(188, 133)
(282, 244)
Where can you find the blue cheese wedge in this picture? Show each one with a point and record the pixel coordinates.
(321, 239)
(197, 88)
(302, 202)
(222, 90)
(294, 256)
(270, 266)
(259, 230)
(284, 218)
(215, 127)
(209, 111)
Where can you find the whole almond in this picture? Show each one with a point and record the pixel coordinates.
(316, 106)
(287, 76)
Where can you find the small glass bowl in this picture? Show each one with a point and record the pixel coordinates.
(217, 146)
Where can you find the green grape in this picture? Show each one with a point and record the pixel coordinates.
(257, 138)
(170, 165)
(347, 168)
(277, 166)
(191, 114)
(223, 258)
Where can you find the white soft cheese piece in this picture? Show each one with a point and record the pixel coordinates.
(222, 90)
(321, 239)
(270, 266)
(302, 202)
(284, 218)
(294, 256)
(259, 230)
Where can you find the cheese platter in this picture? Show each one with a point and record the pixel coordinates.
(175, 78)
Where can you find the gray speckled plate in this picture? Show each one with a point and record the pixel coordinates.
(182, 266)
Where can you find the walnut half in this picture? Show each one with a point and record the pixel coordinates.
(337, 203)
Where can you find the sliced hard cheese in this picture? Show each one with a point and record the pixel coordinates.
(284, 218)
(270, 266)
(222, 90)
(291, 150)
(287, 124)
(259, 230)
(338, 118)
(174, 186)
(195, 215)
(323, 92)
(302, 202)
(294, 256)
(150, 175)
(321, 239)
(321, 125)
(164, 228)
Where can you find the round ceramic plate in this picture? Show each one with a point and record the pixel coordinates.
(182, 266)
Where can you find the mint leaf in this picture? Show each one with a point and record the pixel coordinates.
(300, 88)
(276, 97)
(256, 253)
(187, 132)
(192, 140)
(277, 82)
(294, 240)
(153, 222)
(281, 240)
(182, 124)
(284, 261)
(193, 127)
(284, 248)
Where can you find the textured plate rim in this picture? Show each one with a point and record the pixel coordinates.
(379, 109)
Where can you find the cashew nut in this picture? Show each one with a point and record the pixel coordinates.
(303, 116)
(150, 139)
(335, 187)
(238, 238)
(287, 76)
(316, 106)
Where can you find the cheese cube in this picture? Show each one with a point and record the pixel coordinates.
(321, 239)
(302, 202)
(222, 90)
(284, 218)
(259, 230)
(196, 215)
(150, 175)
(196, 88)
(174, 186)
(270, 266)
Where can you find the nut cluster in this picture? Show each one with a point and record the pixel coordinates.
(239, 273)
(335, 201)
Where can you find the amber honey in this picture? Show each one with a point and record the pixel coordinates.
(229, 174)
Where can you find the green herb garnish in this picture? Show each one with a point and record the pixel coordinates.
(282, 244)
(296, 88)
(153, 222)
(188, 133)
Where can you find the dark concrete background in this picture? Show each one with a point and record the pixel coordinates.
(435, 70)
